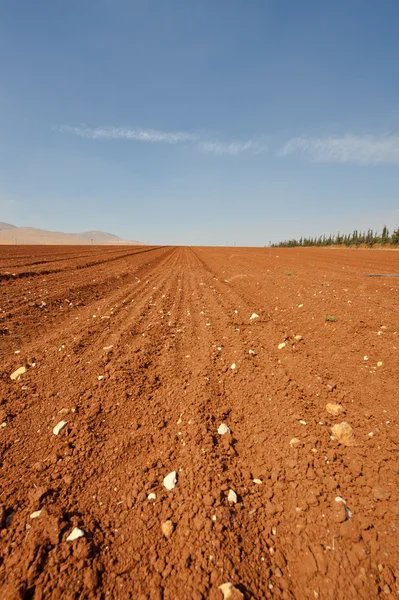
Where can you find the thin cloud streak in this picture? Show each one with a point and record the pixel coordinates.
(140, 135)
(350, 148)
(232, 148)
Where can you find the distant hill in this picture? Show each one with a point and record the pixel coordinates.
(6, 226)
(99, 237)
(10, 234)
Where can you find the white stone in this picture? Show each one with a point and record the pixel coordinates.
(253, 316)
(257, 481)
(151, 496)
(232, 497)
(339, 499)
(252, 352)
(282, 345)
(75, 534)
(302, 422)
(223, 429)
(294, 442)
(18, 372)
(229, 591)
(59, 427)
(233, 366)
(35, 514)
(170, 480)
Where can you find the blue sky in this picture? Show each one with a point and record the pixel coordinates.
(200, 121)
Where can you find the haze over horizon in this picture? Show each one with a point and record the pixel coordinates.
(197, 122)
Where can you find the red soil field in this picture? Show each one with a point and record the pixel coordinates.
(134, 348)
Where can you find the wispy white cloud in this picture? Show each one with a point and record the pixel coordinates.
(140, 135)
(350, 148)
(233, 147)
(219, 147)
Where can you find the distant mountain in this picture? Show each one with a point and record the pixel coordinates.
(7, 226)
(99, 237)
(10, 234)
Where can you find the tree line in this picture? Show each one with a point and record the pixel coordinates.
(369, 238)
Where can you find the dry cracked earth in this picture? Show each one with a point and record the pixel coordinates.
(130, 361)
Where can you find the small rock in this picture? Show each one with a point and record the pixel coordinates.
(223, 429)
(380, 363)
(35, 514)
(253, 316)
(151, 496)
(298, 338)
(339, 499)
(167, 528)
(59, 427)
(344, 434)
(302, 422)
(170, 480)
(282, 345)
(230, 592)
(334, 409)
(233, 366)
(295, 442)
(232, 497)
(18, 372)
(106, 348)
(257, 481)
(75, 534)
(365, 357)
(252, 352)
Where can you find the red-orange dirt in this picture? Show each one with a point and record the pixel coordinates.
(144, 352)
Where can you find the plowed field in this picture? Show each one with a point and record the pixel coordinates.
(144, 352)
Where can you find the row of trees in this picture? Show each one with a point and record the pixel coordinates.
(370, 238)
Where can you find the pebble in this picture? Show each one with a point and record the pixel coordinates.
(106, 348)
(344, 434)
(334, 409)
(298, 338)
(75, 534)
(230, 592)
(232, 497)
(253, 316)
(252, 352)
(59, 427)
(302, 422)
(257, 481)
(223, 429)
(100, 377)
(380, 363)
(233, 366)
(18, 372)
(167, 528)
(294, 442)
(282, 345)
(151, 496)
(35, 514)
(170, 480)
